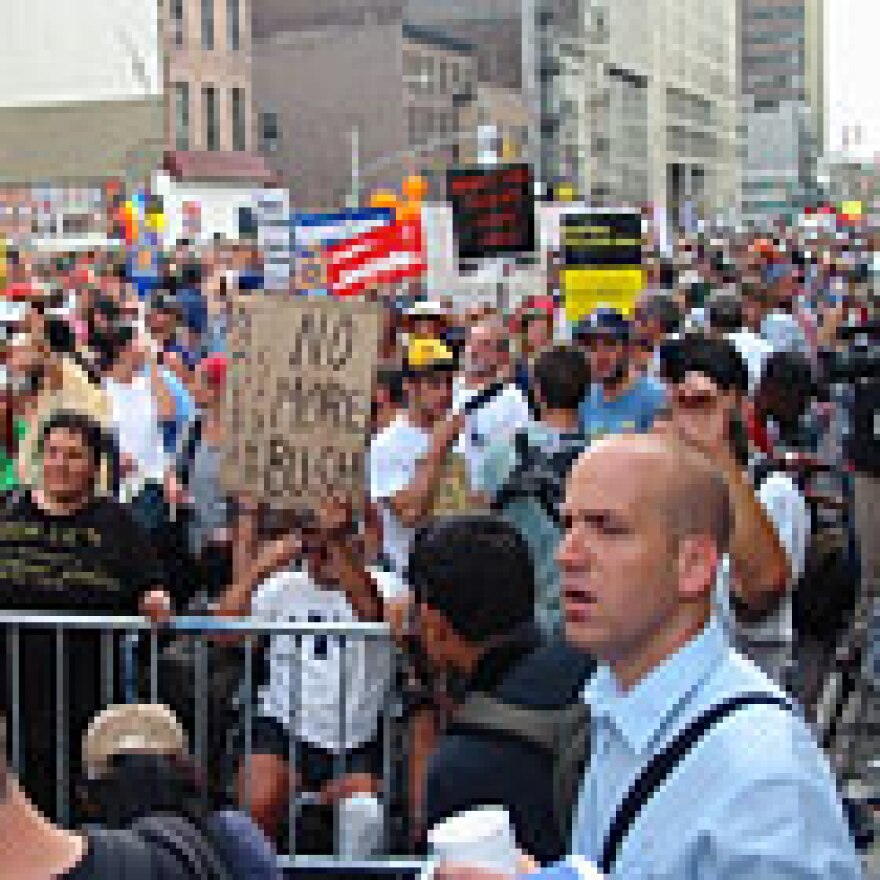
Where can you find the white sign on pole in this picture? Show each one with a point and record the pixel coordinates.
(273, 230)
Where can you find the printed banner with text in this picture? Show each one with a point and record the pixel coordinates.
(603, 260)
(493, 211)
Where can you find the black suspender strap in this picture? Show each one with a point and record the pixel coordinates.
(662, 765)
(483, 398)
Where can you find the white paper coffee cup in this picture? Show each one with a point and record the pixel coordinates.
(482, 838)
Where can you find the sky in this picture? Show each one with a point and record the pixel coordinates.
(853, 72)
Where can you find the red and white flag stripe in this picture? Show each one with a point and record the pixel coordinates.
(381, 256)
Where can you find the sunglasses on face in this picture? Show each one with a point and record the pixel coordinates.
(695, 402)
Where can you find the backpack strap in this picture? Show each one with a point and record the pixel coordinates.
(561, 733)
(483, 398)
(664, 764)
(191, 439)
(526, 456)
(190, 846)
(542, 728)
(12, 501)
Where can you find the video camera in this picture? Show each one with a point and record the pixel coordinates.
(859, 360)
(858, 364)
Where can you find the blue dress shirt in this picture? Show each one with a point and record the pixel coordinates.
(754, 800)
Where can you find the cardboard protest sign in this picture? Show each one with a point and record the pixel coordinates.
(299, 398)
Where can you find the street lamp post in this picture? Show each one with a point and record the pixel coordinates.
(360, 173)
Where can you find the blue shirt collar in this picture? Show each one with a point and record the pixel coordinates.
(641, 714)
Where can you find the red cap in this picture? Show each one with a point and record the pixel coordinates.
(215, 367)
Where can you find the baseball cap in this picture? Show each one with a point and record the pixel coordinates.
(604, 322)
(428, 356)
(540, 306)
(426, 308)
(138, 728)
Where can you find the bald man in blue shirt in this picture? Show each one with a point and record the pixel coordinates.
(753, 798)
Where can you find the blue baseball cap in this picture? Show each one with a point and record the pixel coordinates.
(604, 322)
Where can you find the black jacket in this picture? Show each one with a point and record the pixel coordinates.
(472, 767)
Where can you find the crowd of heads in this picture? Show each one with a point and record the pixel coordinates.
(724, 343)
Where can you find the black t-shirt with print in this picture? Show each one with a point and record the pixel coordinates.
(96, 561)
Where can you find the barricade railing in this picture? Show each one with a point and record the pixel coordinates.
(130, 657)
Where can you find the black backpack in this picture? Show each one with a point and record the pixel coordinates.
(156, 848)
(540, 475)
(123, 854)
(825, 598)
(187, 845)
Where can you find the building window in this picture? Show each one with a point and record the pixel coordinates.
(178, 25)
(270, 133)
(208, 24)
(239, 121)
(181, 116)
(233, 18)
(212, 118)
(427, 77)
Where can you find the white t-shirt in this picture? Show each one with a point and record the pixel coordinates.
(136, 425)
(307, 677)
(783, 333)
(394, 457)
(754, 351)
(496, 422)
(770, 642)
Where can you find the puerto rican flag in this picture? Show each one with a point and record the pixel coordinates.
(383, 255)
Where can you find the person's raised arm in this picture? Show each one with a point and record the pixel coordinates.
(411, 504)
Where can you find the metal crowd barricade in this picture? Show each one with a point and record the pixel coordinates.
(130, 651)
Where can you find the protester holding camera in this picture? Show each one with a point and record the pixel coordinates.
(708, 382)
(302, 710)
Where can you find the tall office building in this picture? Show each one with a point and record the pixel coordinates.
(668, 94)
(782, 62)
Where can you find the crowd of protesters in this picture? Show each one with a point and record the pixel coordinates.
(646, 515)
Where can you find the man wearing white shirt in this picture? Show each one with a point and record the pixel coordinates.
(407, 460)
(139, 401)
(767, 552)
(487, 366)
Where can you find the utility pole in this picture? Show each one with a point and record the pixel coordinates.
(355, 196)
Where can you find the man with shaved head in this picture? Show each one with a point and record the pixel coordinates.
(700, 769)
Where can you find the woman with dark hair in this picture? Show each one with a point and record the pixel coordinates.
(66, 549)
